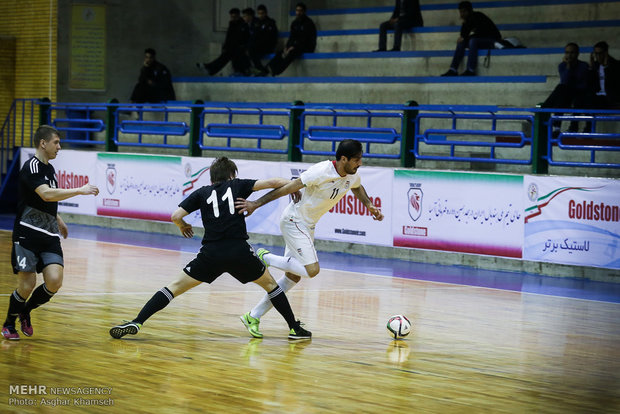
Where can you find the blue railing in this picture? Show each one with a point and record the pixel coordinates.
(131, 129)
(591, 145)
(79, 121)
(16, 130)
(323, 124)
(244, 127)
(501, 143)
(411, 133)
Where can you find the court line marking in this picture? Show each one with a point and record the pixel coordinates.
(446, 284)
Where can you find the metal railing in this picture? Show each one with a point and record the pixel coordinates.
(330, 124)
(594, 147)
(409, 133)
(16, 131)
(500, 135)
(244, 127)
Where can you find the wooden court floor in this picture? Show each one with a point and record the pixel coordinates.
(471, 350)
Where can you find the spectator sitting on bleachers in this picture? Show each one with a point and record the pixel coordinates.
(263, 38)
(234, 48)
(155, 81)
(604, 78)
(302, 40)
(406, 15)
(572, 91)
(477, 32)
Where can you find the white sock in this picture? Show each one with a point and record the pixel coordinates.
(265, 304)
(288, 264)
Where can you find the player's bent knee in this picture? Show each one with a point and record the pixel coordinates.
(313, 269)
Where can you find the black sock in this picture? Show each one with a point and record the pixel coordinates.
(280, 302)
(40, 296)
(160, 300)
(16, 306)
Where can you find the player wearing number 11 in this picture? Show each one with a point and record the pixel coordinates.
(324, 185)
(224, 247)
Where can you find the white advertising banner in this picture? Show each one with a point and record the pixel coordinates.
(572, 220)
(347, 221)
(459, 212)
(138, 186)
(73, 169)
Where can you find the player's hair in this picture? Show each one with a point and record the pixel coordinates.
(302, 5)
(262, 7)
(602, 45)
(466, 5)
(575, 45)
(248, 11)
(349, 148)
(222, 169)
(150, 51)
(46, 133)
(234, 10)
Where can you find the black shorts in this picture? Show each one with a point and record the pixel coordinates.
(33, 255)
(232, 256)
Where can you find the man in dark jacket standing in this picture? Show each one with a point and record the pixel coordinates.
(234, 48)
(155, 81)
(302, 40)
(406, 15)
(477, 32)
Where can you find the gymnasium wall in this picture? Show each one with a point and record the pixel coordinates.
(182, 33)
(28, 44)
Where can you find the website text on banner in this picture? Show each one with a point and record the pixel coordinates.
(458, 212)
(572, 220)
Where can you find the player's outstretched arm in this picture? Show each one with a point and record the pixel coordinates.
(275, 182)
(247, 207)
(360, 193)
(48, 193)
(177, 218)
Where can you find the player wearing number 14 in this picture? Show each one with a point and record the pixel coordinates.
(37, 232)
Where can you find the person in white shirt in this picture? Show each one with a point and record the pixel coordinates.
(324, 184)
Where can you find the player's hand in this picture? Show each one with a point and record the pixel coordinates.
(186, 230)
(376, 213)
(89, 189)
(63, 229)
(296, 196)
(245, 207)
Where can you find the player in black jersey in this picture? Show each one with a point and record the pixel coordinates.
(37, 231)
(224, 247)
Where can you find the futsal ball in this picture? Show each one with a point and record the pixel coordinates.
(398, 326)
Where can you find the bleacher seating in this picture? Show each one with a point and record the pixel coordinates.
(344, 69)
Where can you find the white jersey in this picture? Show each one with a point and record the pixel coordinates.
(324, 188)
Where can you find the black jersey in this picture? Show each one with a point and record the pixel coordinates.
(217, 208)
(33, 213)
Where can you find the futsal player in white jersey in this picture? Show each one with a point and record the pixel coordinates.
(324, 184)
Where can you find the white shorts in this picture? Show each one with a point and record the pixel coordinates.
(299, 240)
